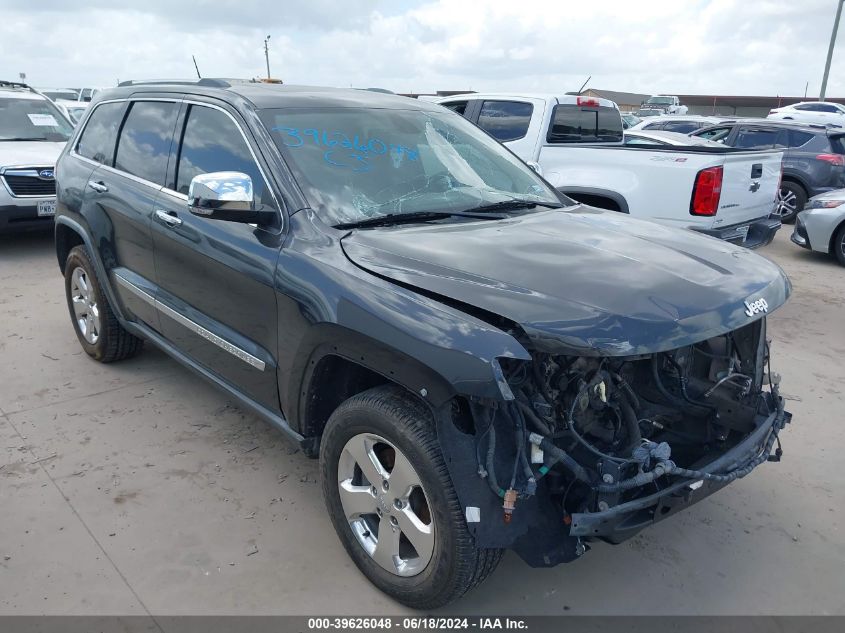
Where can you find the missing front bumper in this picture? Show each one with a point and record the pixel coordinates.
(625, 520)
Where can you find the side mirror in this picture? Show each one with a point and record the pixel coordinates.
(223, 195)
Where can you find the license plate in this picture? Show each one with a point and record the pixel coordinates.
(46, 207)
(743, 232)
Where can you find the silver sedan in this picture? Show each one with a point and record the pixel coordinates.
(821, 226)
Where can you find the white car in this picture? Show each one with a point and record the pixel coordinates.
(683, 123)
(576, 142)
(33, 132)
(666, 104)
(823, 112)
(659, 137)
(74, 110)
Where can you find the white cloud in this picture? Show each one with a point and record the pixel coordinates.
(711, 47)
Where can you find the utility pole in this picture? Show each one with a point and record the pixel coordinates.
(830, 49)
(267, 54)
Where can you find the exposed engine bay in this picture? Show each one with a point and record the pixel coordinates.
(604, 437)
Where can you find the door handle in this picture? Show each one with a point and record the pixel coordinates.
(169, 219)
(98, 186)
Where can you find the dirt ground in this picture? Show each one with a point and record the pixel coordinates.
(137, 488)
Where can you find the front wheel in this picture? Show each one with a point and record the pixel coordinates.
(790, 202)
(393, 504)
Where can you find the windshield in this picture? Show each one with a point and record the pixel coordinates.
(356, 164)
(660, 100)
(32, 120)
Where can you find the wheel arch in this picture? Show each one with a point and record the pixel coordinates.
(69, 234)
(590, 195)
(831, 245)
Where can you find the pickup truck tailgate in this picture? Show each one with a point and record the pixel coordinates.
(749, 186)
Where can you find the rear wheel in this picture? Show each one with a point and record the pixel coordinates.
(393, 504)
(97, 328)
(839, 245)
(790, 202)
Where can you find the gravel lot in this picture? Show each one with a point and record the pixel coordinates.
(138, 488)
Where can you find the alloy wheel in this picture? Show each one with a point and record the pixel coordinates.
(787, 203)
(85, 308)
(385, 504)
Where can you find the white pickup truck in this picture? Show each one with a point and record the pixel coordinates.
(664, 104)
(576, 143)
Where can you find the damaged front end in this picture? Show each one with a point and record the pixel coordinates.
(585, 448)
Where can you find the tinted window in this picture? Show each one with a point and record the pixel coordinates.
(144, 144)
(755, 138)
(574, 124)
(654, 126)
(797, 139)
(100, 133)
(505, 120)
(837, 144)
(715, 134)
(809, 107)
(683, 127)
(212, 142)
(457, 106)
(826, 107)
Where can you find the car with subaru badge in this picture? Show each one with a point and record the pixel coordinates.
(480, 363)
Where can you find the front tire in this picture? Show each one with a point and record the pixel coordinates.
(790, 202)
(97, 328)
(392, 502)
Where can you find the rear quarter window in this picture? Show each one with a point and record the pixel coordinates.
(577, 124)
(505, 120)
(100, 134)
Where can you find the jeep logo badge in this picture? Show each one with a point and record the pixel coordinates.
(756, 307)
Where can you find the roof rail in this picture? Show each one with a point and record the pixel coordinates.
(15, 84)
(211, 83)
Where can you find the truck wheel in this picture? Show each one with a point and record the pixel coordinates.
(392, 502)
(96, 326)
(790, 202)
(839, 245)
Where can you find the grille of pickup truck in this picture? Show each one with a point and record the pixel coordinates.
(30, 183)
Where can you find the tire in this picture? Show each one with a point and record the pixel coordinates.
(791, 201)
(838, 245)
(97, 328)
(388, 425)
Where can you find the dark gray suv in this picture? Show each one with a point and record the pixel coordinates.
(813, 157)
(479, 363)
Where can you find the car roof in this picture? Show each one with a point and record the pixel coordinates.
(817, 128)
(268, 95)
(543, 96)
(686, 117)
(672, 138)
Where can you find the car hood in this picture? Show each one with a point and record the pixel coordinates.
(29, 153)
(836, 194)
(582, 280)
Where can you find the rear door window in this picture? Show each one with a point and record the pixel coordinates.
(457, 106)
(98, 139)
(505, 120)
(682, 127)
(144, 144)
(715, 134)
(799, 139)
(756, 138)
(576, 124)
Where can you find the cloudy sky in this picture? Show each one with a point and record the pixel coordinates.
(766, 47)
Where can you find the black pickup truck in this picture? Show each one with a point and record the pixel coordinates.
(479, 363)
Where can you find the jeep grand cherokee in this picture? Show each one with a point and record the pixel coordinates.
(479, 363)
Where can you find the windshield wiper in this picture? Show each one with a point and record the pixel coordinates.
(418, 216)
(24, 138)
(515, 204)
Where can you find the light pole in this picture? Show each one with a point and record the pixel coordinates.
(267, 54)
(830, 49)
